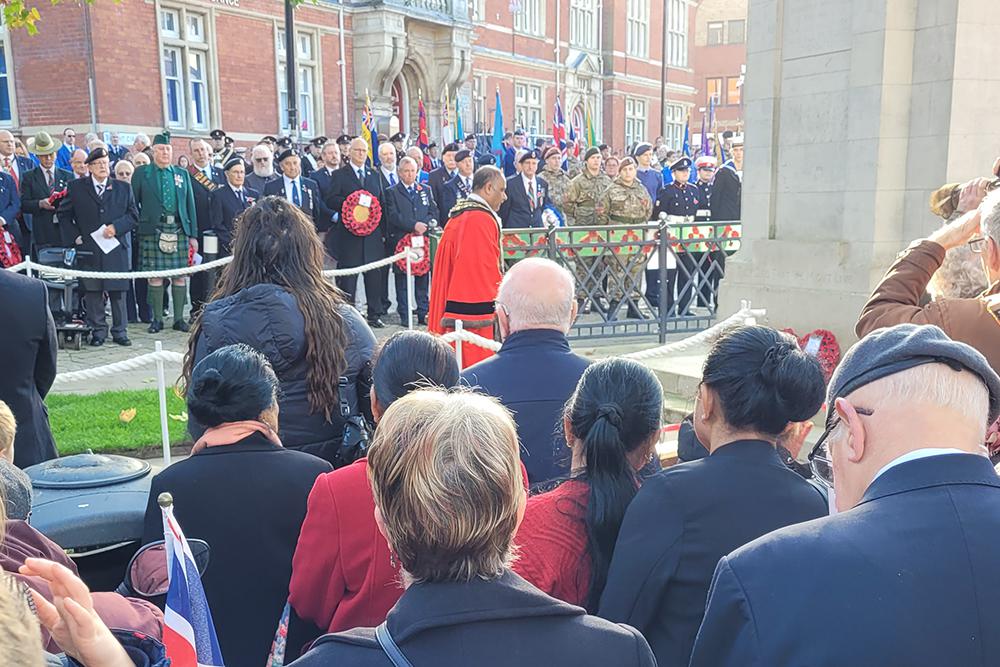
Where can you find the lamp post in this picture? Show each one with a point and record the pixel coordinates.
(293, 120)
(663, 72)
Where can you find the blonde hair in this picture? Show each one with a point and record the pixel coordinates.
(445, 471)
(20, 636)
(8, 427)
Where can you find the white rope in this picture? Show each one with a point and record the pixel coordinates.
(745, 315)
(468, 337)
(120, 366)
(19, 267)
(374, 265)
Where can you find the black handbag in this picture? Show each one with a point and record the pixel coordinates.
(354, 444)
(388, 645)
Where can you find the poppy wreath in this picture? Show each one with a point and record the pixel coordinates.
(56, 196)
(828, 353)
(421, 266)
(10, 252)
(361, 220)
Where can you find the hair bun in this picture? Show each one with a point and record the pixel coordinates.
(773, 357)
(610, 412)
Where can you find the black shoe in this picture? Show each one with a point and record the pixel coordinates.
(156, 326)
(376, 323)
(96, 342)
(422, 320)
(123, 341)
(181, 325)
(633, 312)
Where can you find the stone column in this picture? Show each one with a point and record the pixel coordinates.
(855, 112)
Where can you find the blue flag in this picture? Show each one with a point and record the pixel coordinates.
(459, 131)
(496, 145)
(687, 138)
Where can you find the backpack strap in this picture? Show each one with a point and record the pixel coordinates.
(388, 645)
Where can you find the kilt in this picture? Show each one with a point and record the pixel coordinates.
(151, 258)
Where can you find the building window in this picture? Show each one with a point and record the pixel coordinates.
(637, 40)
(479, 104)
(675, 127)
(733, 91)
(635, 121)
(713, 88)
(678, 29)
(583, 24)
(528, 17)
(528, 108)
(307, 65)
(737, 31)
(6, 103)
(186, 79)
(715, 32)
(478, 10)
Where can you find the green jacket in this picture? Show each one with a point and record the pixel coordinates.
(149, 200)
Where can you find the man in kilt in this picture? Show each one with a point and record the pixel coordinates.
(168, 227)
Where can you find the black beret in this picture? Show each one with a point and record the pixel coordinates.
(399, 136)
(229, 141)
(643, 148)
(284, 142)
(603, 147)
(450, 148)
(232, 162)
(433, 144)
(268, 138)
(487, 159)
(528, 155)
(470, 136)
(463, 155)
(895, 349)
(285, 154)
(519, 132)
(217, 134)
(96, 154)
(319, 142)
(344, 139)
(591, 152)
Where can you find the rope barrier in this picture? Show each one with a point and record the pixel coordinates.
(131, 364)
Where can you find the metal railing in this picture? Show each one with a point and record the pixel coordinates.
(629, 283)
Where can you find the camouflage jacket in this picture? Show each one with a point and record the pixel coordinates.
(558, 183)
(582, 196)
(625, 204)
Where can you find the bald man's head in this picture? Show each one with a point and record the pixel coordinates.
(536, 293)
(7, 144)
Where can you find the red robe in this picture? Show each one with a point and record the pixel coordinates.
(467, 273)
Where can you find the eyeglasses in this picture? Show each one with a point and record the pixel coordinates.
(976, 245)
(260, 159)
(706, 169)
(819, 459)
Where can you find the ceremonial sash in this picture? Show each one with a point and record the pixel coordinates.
(199, 175)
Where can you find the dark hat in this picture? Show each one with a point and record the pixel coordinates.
(626, 161)
(463, 154)
(680, 163)
(162, 138)
(232, 162)
(269, 139)
(217, 134)
(591, 152)
(550, 151)
(895, 349)
(519, 132)
(539, 142)
(527, 155)
(285, 154)
(431, 145)
(319, 142)
(344, 139)
(643, 148)
(285, 142)
(487, 159)
(450, 148)
(470, 136)
(507, 135)
(96, 154)
(603, 147)
(399, 136)
(229, 141)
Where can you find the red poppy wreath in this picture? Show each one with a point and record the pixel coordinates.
(421, 266)
(361, 219)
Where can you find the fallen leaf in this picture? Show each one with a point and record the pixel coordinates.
(127, 415)
(182, 417)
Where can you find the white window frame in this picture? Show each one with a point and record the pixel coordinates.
(583, 24)
(529, 100)
(529, 17)
(637, 29)
(310, 103)
(479, 103)
(478, 8)
(720, 26)
(7, 77)
(188, 46)
(729, 31)
(674, 137)
(635, 120)
(677, 51)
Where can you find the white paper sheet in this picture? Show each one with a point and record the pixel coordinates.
(106, 245)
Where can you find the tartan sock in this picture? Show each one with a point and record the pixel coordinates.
(154, 295)
(178, 294)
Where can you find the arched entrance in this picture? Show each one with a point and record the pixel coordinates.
(399, 121)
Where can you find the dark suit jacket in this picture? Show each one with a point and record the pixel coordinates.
(516, 212)
(224, 206)
(681, 523)
(202, 207)
(10, 207)
(351, 250)
(504, 621)
(84, 212)
(727, 193)
(116, 154)
(46, 229)
(247, 500)
(908, 577)
(436, 179)
(324, 181)
(312, 204)
(453, 191)
(29, 345)
(407, 211)
(533, 375)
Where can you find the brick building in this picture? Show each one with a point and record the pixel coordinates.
(720, 57)
(193, 65)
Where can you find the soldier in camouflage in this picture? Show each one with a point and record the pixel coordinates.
(626, 202)
(580, 209)
(556, 178)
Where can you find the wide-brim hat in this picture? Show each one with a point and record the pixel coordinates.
(44, 145)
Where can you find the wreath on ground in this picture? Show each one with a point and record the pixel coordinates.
(822, 345)
(359, 219)
(420, 266)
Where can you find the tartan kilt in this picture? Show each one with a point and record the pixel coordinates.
(151, 258)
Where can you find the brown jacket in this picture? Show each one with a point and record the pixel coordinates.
(897, 298)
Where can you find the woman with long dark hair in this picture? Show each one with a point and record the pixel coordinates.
(612, 423)
(274, 298)
(757, 386)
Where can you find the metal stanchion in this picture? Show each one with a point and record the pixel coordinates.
(458, 343)
(161, 387)
(210, 253)
(409, 291)
(27, 268)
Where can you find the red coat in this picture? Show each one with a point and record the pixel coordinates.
(342, 577)
(467, 273)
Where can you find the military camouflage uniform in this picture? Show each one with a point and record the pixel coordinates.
(558, 183)
(579, 207)
(624, 205)
(574, 166)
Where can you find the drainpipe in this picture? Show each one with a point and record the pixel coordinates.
(343, 73)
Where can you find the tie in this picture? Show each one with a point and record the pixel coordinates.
(361, 175)
(239, 193)
(531, 194)
(48, 178)
(468, 185)
(10, 171)
(392, 179)
(100, 189)
(295, 193)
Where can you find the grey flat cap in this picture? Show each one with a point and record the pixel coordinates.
(891, 350)
(16, 490)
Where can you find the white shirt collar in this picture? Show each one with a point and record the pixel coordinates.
(527, 182)
(103, 183)
(918, 454)
(387, 172)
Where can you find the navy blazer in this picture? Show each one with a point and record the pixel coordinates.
(908, 577)
(202, 195)
(408, 210)
(533, 375)
(10, 207)
(45, 226)
(453, 192)
(517, 212)
(682, 521)
(349, 249)
(312, 203)
(224, 206)
(496, 623)
(436, 179)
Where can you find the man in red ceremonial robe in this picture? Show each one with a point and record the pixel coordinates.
(468, 265)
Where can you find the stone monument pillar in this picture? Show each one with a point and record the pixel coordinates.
(855, 112)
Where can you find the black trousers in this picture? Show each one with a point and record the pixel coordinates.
(199, 291)
(373, 290)
(421, 297)
(97, 319)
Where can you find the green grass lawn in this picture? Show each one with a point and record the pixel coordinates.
(82, 422)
